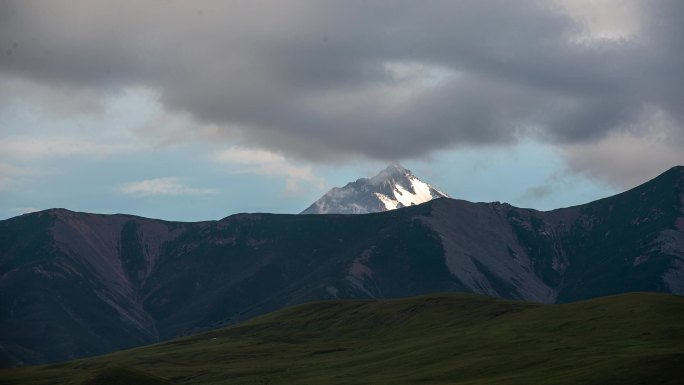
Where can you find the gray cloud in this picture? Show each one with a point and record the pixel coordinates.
(383, 79)
(624, 159)
(538, 192)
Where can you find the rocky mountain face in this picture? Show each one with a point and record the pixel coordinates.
(393, 188)
(76, 284)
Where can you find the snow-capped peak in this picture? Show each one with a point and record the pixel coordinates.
(391, 188)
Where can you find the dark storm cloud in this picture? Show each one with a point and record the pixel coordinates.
(382, 79)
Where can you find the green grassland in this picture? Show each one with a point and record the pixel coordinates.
(435, 339)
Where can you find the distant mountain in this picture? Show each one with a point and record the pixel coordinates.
(393, 188)
(76, 284)
(629, 339)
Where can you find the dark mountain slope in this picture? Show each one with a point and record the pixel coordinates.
(636, 338)
(70, 283)
(86, 284)
(621, 243)
(76, 284)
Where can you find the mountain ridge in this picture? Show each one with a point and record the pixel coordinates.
(74, 285)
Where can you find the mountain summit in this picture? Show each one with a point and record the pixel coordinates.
(392, 188)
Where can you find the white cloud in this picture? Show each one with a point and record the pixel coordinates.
(263, 162)
(12, 176)
(244, 155)
(605, 19)
(419, 75)
(167, 186)
(8, 174)
(23, 210)
(35, 147)
(169, 128)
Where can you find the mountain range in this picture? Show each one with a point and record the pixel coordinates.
(77, 284)
(392, 188)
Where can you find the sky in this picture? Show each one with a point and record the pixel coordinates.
(199, 110)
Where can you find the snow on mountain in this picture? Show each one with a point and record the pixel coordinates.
(393, 188)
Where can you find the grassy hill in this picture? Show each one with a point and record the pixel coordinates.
(634, 338)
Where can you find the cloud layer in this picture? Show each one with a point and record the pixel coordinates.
(384, 80)
(166, 186)
(37, 147)
(262, 162)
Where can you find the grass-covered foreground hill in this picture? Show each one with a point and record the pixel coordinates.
(436, 339)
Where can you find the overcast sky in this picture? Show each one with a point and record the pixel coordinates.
(197, 110)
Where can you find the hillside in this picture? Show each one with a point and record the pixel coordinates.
(76, 284)
(634, 338)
